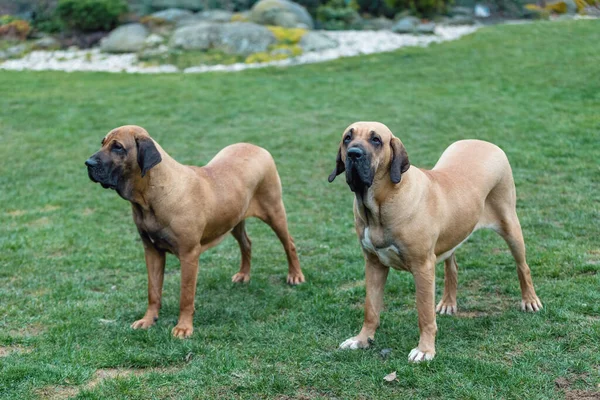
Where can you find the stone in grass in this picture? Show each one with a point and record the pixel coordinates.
(315, 41)
(127, 38)
(406, 25)
(385, 353)
(173, 14)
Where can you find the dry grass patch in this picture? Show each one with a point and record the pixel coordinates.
(8, 350)
(30, 330)
(59, 392)
(351, 285)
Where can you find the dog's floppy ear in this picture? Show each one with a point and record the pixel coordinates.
(147, 154)
(339, 166)
(400, 163)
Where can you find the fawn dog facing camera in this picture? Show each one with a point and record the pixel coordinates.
(409, 218)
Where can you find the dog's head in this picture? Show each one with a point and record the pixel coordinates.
(127, 152)
(369, 150)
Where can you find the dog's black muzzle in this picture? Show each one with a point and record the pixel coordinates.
(98, 174)
(359, 174)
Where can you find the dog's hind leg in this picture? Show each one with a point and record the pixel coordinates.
(448, 303)
(501, 211)
(510, 230)
(239, 233)
(276, 218)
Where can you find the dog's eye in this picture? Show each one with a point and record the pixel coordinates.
(347, 139)
(376, 140)
(117, 147)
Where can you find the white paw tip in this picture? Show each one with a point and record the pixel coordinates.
(447, 310)
(531, 306)
(417, 355)
(351, 344)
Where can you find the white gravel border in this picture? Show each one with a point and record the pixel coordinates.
(351, 43)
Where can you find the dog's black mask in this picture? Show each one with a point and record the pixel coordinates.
(103, 171)
(359, 172)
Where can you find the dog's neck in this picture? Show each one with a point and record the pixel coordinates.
(368, 201)
(146, 192)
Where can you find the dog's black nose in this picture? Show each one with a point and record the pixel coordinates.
(91, 162)
(355, 153)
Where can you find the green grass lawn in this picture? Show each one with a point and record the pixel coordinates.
(72, 274)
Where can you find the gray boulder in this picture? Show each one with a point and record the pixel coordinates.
(285, 19)
(460, 20)
(426, 29)
(235, 37)
(571, 6)
(378, 24)
(46, 43)
(173, 14)
(154, 40)
(268, 12)
(148, 53)
(315, 41)
(13, 52)
(244, 38)
(127, 38)
(406, 25)
(458, 10)
(214, 16)
(199, 36)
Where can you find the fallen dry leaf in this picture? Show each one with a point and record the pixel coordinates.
(390, 377)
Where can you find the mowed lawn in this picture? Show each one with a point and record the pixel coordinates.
(72, 272)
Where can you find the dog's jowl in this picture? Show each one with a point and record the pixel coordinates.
(186, 210)
(410, 218)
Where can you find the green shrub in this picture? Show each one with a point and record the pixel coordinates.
(90, 15)
(337, 14)
(311, 5)
(375, 8)
(44, 18)
(424, 8)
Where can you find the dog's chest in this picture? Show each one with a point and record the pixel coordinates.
(388, 254)
(159, 236)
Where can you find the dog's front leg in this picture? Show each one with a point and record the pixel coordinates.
(424, 275)
(375, 277)
(155, 264)
(189, 275)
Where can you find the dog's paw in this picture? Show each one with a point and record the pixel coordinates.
(445, 307)
(354, 343)
(182, 331)
(295, 279)
(417, 355)
(143, 323)
(240, 278)
(531, 304)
